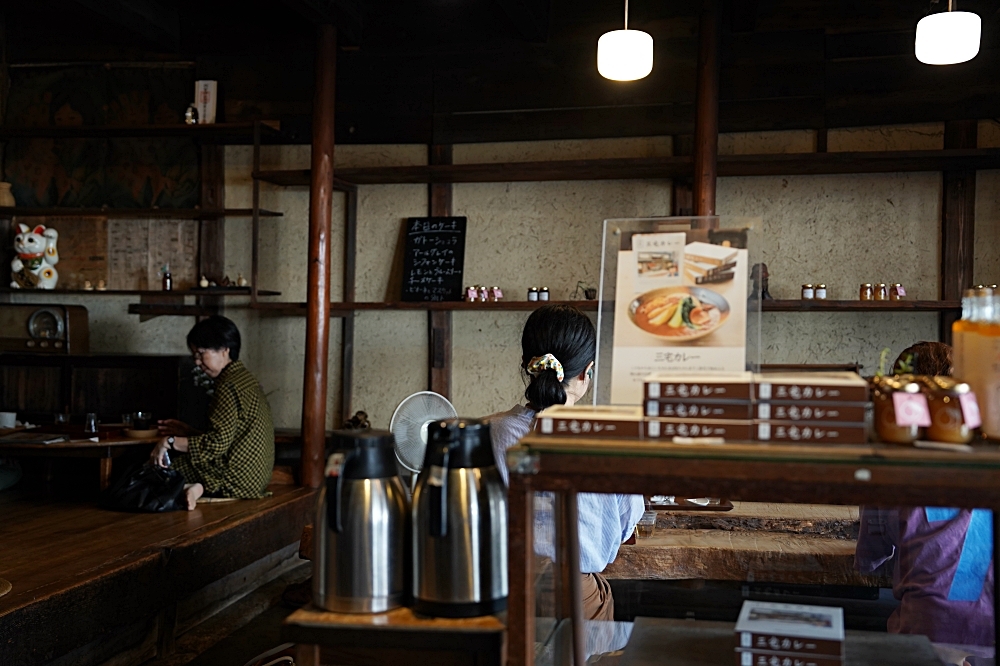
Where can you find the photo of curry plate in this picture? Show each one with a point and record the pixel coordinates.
(679, 314)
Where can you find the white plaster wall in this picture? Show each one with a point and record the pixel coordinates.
(762, 143)
(921, 136)
(841, 230)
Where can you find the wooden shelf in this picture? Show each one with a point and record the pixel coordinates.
(343, 309)
(658, 167)
(859, 306)
(138, 213)
(214, 133)
(150, 310)
(177, 293)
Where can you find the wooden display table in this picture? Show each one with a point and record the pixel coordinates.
(397, 637)
(877, 475)
(105, 450)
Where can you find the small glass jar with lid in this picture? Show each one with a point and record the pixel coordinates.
(881, 292)
(808, 292)
(867, 292)
(543, 294)
(886, 428)
(897, 292)
(532, 293)
(944, 400)
(821, 292)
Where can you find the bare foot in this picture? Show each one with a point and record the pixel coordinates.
(193, 491)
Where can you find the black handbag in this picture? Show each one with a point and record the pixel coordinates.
(146, 488)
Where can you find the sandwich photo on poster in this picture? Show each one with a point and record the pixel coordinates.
(680, 305)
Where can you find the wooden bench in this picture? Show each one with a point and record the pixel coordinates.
(82, 576)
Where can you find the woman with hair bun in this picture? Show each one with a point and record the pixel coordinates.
(558, 348)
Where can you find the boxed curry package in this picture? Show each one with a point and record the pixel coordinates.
(590, 421)
(828, 407)
(772, 634)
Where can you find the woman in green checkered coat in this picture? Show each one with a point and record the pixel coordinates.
(234, 457)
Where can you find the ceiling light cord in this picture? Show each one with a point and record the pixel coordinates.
(626, 12)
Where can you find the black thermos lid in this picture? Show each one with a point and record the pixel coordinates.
(468, 442)
(371, 453)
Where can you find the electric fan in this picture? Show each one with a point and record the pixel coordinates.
(409, 426)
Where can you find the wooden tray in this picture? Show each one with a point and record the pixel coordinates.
(684, 504)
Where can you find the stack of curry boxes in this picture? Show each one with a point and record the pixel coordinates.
(830, 407)
(772, 634)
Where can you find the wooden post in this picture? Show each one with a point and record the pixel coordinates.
(212, 233)
(520, 556)
(350, 295)
(318, 286)
(958, 222)
(706, 124)
(439, 321)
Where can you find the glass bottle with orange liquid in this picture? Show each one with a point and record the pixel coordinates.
(988, 390)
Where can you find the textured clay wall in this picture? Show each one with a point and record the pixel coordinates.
(841, 230)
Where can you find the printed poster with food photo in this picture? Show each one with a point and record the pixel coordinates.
(678, 307)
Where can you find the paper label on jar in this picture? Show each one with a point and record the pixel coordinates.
(334, 464)
(436, 476)
(911, 409)
(970, 410)
(901, 290)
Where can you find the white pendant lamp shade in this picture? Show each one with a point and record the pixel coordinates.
(625, 55)
(948, 38)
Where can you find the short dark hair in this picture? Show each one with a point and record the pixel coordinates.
(567, 334)
(216, 332)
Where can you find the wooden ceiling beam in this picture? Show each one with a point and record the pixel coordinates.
(155, 23)
(529, 18)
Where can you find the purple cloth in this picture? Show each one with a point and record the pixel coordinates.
(942, 569)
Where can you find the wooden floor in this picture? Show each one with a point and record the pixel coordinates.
(78, 572)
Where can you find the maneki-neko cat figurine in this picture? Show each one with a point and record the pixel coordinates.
(37, 256)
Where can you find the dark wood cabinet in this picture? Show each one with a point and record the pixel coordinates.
(37, 386)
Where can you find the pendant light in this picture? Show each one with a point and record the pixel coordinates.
(625, 55)
(948, 38)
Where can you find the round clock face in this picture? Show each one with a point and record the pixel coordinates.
(46, 325)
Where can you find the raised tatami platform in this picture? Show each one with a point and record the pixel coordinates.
(81, 576)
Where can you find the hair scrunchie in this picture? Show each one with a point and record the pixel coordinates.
(540, 364)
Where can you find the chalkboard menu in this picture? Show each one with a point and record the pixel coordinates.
(434, 259)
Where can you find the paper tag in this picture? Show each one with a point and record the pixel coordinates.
(436, 476)
(764, 391)
(764, 410)
(652, 408)
(546, 426)
(970, 410)
(901, 290)
(653, 390)
(745, 637)
(653, 428)
(764, 431)
(334, 464)
(911, 409)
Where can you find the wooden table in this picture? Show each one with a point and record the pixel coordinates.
(808, 544)
(396, 637)
(105, 450)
